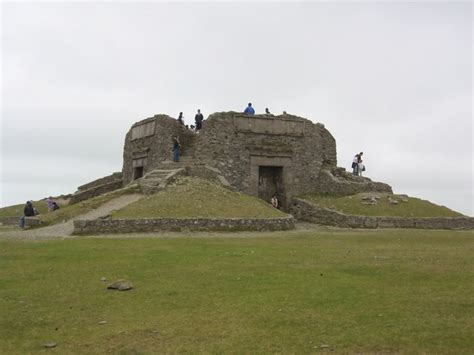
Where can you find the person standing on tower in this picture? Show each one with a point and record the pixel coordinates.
(181, 118)
(198, 119)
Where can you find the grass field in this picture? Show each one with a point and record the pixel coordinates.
(413, 207)
(193, 197)
(282, 292)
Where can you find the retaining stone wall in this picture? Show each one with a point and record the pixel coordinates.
(10, 221)
(347, 184)
(306, 211)
(152, 147)
(104, 180)
(104, 226)
(15, 221)
(230, 141)
(95, 191)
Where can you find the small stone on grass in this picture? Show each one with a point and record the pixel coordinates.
(120, 285)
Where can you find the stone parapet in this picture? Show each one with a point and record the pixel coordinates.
(306, 211)
(115, 226)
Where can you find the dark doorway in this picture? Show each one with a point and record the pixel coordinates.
(137, 172)
(270, 182)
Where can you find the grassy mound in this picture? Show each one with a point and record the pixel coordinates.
(193, 198)
(406, 207)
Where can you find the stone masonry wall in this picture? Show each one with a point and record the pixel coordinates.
(102, 226)
(238, 145)
(95, 191)
(153, 145)
(105, 180)
(15, 221)
(346, 184)
(226, 144)
(304, 210)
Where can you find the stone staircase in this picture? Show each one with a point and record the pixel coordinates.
(168, 170)
(158, 179)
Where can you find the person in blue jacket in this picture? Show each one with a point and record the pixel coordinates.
(249, 110)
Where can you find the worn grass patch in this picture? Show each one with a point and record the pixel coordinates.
(414, 207)
(285, 292)
(193, 198)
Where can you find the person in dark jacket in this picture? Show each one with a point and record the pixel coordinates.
(28, 211)
(181, 119)
(176, 149)
(198, 119)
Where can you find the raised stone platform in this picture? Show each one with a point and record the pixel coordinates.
(306, 211)
(117, 226)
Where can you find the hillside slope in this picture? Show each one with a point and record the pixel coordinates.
(194, 198)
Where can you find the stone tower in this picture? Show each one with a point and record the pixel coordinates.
(259, 155)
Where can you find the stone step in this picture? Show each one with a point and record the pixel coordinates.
(157, 179)
(158, 173)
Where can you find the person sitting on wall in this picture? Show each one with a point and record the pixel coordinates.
(198, 120)
(249, 111)
(28, 211)
(50, 202)
(176, 148)
(181, 118)
(274, 201)
(55, 206)
(267, 113)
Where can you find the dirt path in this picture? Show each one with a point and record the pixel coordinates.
(65, 229)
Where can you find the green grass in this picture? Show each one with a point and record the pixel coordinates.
(192, 197)
(286, 292)
(414, 207)
(17, 210)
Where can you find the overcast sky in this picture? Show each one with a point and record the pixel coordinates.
(391, 79)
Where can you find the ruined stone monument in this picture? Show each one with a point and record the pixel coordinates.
(259, 155)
